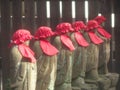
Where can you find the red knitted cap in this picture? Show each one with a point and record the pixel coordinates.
(63, 28)
(21, 36)
(92, 24)
(78, 25)
(100, 19)
(43, 32)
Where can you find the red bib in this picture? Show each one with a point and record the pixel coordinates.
(104, 33)
(27, 52)
(67, 42)
(94, 38)
(80, 39)
(47, 48)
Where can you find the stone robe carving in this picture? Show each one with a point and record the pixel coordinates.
(104, 55)
(64, 68)
(22, 73)
(79, 63)
(92, 59)
(46, 69)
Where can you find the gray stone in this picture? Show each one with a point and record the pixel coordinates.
(112, 88)
(114, 77)
(104, 83)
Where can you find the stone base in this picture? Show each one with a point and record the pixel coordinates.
(114, 77)
(89, 87)
(75, 88)
(105, 82)
(79, 83)
(64, 86)
(113, 88)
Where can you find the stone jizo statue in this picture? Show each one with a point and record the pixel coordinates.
(92, 50)
(46, 55)
(79, 55)
(63, 42)
(23, 71)
(104, 53)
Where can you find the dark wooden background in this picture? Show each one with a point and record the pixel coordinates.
(30, 14)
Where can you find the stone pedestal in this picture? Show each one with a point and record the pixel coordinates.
(105, 82)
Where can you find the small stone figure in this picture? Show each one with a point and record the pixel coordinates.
(104, 53)
(64, 44)
(23, 70)
(92, 50)
(79, 55)
(46, 55)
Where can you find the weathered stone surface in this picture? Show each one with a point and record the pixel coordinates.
(114, 77)
(112, 88)
(104, 83)
(75, 88)
(90, 87)
(64, 66)
(64, 86)
(79, 63)
(46, 69)
(23, 74)
(92, 60)
(104, 55)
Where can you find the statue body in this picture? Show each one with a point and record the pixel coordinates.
(92, 59)
(64, 66)
(46, 69)
(79, 63)
(22, 72)
(104, 55)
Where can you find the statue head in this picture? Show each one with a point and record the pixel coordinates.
(21, 36)
(100, 20)
(92, 25)
(64, 28)
(79, 26)
(43, 32)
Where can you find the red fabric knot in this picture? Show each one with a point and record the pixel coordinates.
(63, 28)
(92, 24)
(21, 36)
(78, 25)
(43, 32)
(100, 19)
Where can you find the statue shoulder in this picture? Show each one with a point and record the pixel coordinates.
(14, 50)
(36, 45)
(15, 55)
(57, 42)
(37, 49)
(72, 36)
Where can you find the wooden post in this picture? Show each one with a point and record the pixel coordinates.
(54, 13)
(17, 15)
(29, 15)
(5, 35)
(41, 13)
(80, 7)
